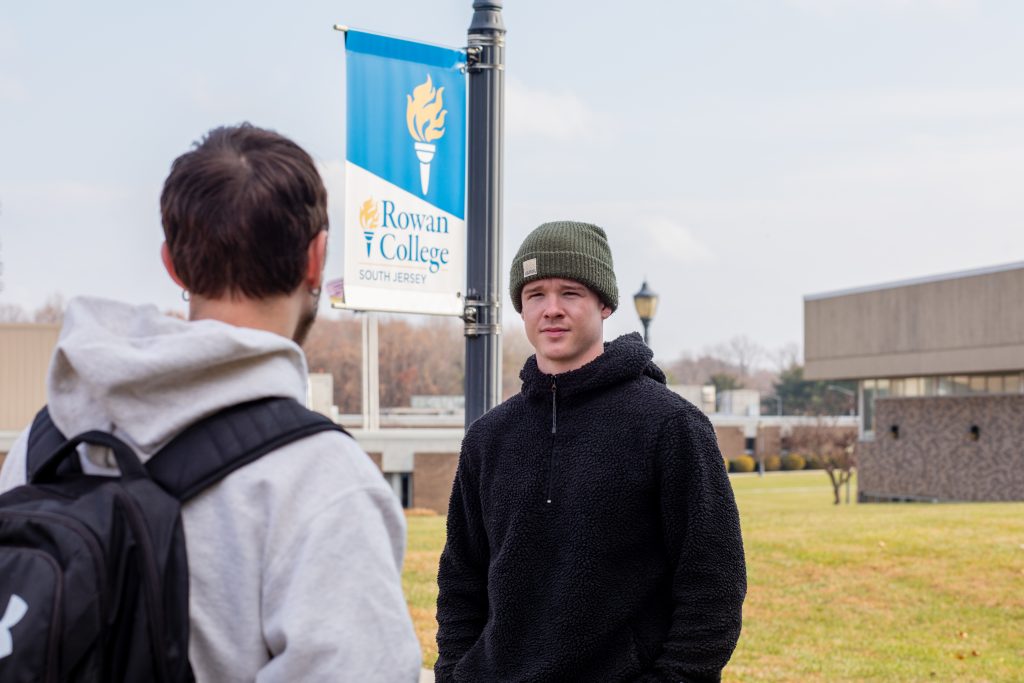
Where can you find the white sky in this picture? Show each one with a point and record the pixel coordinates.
(740, 154)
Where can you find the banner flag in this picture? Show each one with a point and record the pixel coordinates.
(405, 178)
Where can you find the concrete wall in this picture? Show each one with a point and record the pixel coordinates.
(934, 455)
(433, 474)
(956, 324)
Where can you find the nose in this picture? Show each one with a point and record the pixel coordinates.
(552, 307)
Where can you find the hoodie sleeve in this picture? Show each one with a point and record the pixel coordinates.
(702, 536)
(462, 575)
(332, 605)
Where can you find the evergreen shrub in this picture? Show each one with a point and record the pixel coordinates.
(793, 461)
(744, 463)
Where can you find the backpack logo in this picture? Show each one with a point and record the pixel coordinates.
(16, 609)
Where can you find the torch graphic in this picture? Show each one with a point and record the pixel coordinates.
(370, 221)
(424, 116)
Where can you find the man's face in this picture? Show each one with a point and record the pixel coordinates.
(564, 323)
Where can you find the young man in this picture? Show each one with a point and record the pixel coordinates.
(295, 559)
(592, 532)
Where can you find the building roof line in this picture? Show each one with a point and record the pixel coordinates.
(917, 281)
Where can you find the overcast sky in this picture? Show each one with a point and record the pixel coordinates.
(741, 154)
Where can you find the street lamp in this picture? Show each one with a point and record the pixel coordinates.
(646, 303)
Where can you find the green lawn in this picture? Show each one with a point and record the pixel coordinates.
(901, 592)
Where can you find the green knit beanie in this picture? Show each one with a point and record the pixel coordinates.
(565, 249)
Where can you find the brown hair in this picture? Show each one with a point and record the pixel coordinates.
(239, 211)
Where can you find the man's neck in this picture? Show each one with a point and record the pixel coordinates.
(278, 314)
(554, 367)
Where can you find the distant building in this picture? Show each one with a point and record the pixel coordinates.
(939, 363)
(702, 396)
(25, 350)
(745, 402)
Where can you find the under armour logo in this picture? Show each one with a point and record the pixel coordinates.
(16, 609)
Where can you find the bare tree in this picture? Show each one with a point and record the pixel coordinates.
(12, 313)
(833, 445)
(785, 357)
(335, 346)
(743, 352)
(515, 349)
(52, 311)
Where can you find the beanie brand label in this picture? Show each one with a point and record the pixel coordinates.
(529, 267)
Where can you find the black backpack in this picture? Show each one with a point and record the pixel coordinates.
(93, 570)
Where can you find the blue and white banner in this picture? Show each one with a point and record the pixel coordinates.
(405, 178)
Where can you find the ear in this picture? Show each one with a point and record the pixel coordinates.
(165, 256)
(316, 258)
(605, 312)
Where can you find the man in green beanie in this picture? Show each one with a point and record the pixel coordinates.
(592, 531)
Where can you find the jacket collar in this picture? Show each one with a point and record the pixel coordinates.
(624, 359)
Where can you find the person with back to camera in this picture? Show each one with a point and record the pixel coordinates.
(294, 560)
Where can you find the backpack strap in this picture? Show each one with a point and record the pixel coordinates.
(43, 441)
(214, 447)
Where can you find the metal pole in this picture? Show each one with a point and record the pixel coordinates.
(647, 338)
(371, 372)
(486, 67)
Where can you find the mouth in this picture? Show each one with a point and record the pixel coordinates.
(554, 332)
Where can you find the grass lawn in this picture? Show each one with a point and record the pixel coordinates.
(895, 592)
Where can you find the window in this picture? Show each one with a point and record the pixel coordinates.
(867, 398)
(1011, 384)
(977, 384)
(995, 384)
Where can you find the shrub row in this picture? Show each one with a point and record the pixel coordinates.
(773, 463)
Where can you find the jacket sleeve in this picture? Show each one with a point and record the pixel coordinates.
(462, 575)
(702, 537)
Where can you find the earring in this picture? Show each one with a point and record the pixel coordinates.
(315, 292)
(185, 296)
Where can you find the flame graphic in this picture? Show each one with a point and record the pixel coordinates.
(423, 112)
(368, 217)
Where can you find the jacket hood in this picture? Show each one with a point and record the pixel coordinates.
(624, 359)
(145, 375)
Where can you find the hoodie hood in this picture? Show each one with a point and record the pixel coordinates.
(145, 376)
(624, 359)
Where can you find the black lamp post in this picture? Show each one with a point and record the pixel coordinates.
(646, 303)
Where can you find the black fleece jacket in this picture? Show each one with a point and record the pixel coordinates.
(592, 534)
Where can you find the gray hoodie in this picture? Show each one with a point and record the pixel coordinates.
(294, 560)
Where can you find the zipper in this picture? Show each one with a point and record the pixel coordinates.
(554, 430)
(554, 404)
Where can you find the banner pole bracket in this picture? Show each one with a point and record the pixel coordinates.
(471, 318)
